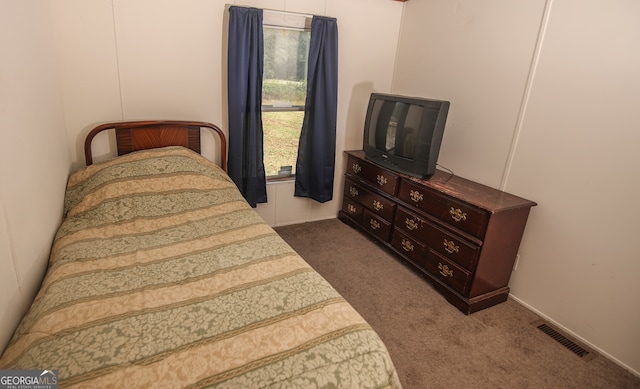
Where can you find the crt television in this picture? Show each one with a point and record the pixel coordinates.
(404, 133)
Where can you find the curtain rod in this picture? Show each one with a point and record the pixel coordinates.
(274, 11)
(287, 12)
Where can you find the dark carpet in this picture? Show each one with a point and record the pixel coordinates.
(432, 344)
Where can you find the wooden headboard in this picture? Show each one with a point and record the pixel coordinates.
(141, 135)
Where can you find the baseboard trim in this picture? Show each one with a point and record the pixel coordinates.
(578, 337)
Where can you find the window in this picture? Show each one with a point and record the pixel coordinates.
(284, 88)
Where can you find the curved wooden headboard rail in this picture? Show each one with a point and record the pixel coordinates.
(141, 135)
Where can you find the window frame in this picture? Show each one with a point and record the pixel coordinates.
(285, 21)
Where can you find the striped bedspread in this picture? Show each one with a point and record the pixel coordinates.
(161, 275)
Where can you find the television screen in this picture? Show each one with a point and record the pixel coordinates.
(405, 133)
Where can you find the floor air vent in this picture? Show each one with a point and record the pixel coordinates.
(571, 345)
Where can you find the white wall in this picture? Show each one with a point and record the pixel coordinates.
(544, 97)
(150, 59)
(34, 161)
(475, 55)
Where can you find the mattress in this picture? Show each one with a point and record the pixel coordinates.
(161, 275)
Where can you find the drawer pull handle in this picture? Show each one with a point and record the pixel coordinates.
(351, 208)
(411, 224)
(374, 224)
(406, 245)
(378, 206)
(416, 196)
(450, 247)
(457, 214)
(353, 191)
(356, 168)
(382, 180)
(444, 270)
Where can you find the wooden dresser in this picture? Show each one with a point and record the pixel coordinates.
(460, 235)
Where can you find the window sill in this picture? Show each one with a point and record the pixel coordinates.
(282, 178)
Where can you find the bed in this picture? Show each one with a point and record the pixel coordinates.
(161, 275)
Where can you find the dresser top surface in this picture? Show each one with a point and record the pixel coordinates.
(461, 188)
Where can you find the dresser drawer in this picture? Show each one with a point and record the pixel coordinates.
(446, 243)
(408, 246)
(376, 225)
(447, 271)
(456, 213)
(371, 200)
(353, 209)
(411, 224)
(374, 175)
